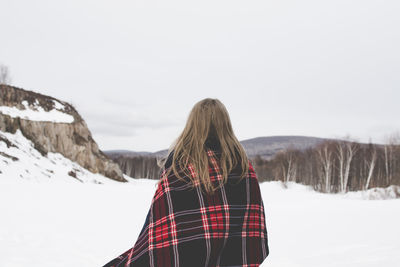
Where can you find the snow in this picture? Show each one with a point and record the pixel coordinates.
(23, 161)
(307, 228)
(390, 192)
(58, 105)
(86, 224)
(36, 113)
(49, 218)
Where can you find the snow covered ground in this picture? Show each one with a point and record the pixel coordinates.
(19, 159)
(85, 224)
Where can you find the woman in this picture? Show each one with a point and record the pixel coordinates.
(207, 209)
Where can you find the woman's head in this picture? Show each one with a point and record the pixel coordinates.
(208, 123)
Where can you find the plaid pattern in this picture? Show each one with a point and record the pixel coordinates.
(188, 228)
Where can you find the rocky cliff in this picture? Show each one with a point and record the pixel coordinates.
(53, 126)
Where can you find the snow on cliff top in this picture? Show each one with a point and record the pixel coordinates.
(36, 113)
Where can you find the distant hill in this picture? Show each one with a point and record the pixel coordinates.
(144, 164)
(128, 153)
(266, 146)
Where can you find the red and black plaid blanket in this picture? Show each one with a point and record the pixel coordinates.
(187, 228)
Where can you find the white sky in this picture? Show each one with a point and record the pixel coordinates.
(134, 69)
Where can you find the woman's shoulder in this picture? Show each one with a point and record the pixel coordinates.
(168, 160)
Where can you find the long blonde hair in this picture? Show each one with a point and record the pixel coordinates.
(208, 120)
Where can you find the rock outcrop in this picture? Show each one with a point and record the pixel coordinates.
(53, 126)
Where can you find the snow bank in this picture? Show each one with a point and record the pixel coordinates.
(23, 162)
(36, 113)
(391, 192)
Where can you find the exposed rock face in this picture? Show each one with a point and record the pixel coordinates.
(71, 139)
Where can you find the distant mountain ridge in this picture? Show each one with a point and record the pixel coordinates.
(128, 153)
(266, 146)
(144, 164)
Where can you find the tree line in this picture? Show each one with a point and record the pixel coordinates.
(332, 166)
(335, 166)
(139, 166)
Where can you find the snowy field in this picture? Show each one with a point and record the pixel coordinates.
(73, 224)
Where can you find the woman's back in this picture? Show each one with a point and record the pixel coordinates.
(227, 228)
(189, 227)
(207, 209)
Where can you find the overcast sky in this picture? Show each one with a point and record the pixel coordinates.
(134, 69)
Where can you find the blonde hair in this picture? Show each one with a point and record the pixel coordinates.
(208, 121)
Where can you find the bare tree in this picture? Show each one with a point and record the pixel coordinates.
(289, 165)
(370, 162)
(345, 152)
(325, 156)
(284, 165)
(341, 157)
(4, 75)
(388, 162)
(390, 158)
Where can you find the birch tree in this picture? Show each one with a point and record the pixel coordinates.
(325, 157)
(290, 166)
(345, 151)
(370, 163)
